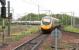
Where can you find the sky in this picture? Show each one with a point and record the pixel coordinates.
(22, 7)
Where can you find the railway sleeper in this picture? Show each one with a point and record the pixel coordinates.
(36, 46)
(33, 43)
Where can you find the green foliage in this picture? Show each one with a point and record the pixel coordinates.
(20, 35)
(64, 18)
(71, 29)
(0, 21)
(6, 21)
(77, 20)
(41, 15)
(32, 17)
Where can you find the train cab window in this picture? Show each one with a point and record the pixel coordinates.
(46, 21)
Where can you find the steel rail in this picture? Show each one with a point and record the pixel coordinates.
(33, 44)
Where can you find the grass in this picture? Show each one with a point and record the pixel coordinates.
(20, 35)
(71, 29)
(18, 32)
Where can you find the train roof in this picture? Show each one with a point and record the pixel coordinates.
(53, 18)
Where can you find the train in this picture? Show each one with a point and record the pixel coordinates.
(49, 23)
(27, 22)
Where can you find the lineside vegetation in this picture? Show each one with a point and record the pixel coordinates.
(71, 29)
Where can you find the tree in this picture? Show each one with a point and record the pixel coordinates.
(64, 18)
(32, 17)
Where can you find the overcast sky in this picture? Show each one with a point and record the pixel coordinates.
(22, 7)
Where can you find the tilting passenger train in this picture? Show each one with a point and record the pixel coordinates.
(48, 23)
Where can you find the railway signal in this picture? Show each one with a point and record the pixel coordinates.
(3, 2)
(3, 12)
(3, 16)
(3, 8)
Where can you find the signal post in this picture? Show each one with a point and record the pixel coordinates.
(3, 16)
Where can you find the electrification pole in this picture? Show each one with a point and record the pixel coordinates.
(38, 12)
(9, 17)
(73, 19)
(30, 20)
(49, 11)
(62, 19)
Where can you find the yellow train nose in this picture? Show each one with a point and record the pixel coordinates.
(46, 27)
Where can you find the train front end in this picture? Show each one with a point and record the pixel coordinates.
(46, 24)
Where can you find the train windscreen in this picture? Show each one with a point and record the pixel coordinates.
(46, 21)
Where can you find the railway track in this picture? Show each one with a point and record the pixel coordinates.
(33, 44)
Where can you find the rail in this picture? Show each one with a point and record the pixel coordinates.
(33, 44)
